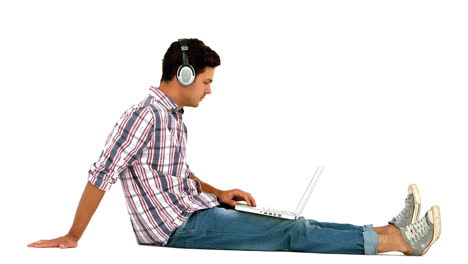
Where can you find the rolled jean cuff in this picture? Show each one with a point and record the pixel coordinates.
(370, 240)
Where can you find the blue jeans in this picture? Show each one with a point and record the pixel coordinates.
(219, 228)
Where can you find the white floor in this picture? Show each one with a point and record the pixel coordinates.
(127, 253)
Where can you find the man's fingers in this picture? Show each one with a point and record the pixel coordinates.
(39, 243)
(252, 200)
(245, 196)
(45, 244)
(32, 244)
(248, 198)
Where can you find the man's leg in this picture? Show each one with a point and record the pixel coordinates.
(227, 229)
(389, 236)
(218, 228)
(393, 242)
(385, 230)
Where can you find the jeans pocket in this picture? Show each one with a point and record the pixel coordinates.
(191, 224)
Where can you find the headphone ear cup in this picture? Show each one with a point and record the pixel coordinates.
(186, 75)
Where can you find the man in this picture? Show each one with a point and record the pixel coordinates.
(169, 206)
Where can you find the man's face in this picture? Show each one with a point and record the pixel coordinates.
(195, 92)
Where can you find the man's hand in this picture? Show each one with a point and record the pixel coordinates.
(231, 197)
(61, 242)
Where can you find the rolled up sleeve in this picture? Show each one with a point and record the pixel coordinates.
(125, 144)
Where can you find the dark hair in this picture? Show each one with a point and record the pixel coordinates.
(199, 55)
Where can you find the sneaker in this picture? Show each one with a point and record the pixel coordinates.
(424, 233)
(410, 213)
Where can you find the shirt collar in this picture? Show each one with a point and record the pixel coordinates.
(165, 100)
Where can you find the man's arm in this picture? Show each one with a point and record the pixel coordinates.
(230, 197)
(89, 202)
(130, 135)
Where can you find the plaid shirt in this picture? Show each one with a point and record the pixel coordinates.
(146, 150)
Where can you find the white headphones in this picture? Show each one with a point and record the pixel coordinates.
(185, 73)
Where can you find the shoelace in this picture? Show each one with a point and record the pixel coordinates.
(403, 212)
(417, 230)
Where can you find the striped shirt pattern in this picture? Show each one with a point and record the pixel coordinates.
(146, 151)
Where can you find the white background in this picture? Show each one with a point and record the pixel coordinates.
(375, 90)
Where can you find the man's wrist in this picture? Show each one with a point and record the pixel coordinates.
(217, 193)
(74, 236)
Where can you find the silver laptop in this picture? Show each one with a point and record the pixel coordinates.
(281, 213)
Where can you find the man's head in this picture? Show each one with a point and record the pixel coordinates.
(203, 60)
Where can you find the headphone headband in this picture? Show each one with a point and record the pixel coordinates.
(184, 47)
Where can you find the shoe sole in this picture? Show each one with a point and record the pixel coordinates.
(435, 211)
(413, 188)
